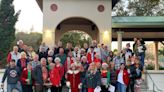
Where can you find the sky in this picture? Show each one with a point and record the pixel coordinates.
(30, 17)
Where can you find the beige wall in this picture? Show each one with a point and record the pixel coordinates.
(76, 8)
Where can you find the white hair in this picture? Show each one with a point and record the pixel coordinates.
(57, 59)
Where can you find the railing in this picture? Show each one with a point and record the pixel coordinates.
(155, 88)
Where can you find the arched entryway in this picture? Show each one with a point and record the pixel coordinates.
(76, 23)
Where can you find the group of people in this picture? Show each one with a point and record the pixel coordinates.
(80, 69)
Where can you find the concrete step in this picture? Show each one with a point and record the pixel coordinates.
(145, 90)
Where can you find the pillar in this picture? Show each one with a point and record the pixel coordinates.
(156, 55)
(106, 38)
(119, 40)
(48, 37)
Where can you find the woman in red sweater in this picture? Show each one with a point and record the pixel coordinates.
(60, 68)
(122, 78)
(55, 78)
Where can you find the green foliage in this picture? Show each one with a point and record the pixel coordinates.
(161, 51)
(161, 67)
(119, 9)
(161, 58)
(32, 39)
(8, 18)
(76, 38)
(150, 66)
(139, 8)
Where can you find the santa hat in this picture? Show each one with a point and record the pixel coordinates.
(104, 64)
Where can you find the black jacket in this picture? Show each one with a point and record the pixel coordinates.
(93, 80)
(133, 72)
(37, 75)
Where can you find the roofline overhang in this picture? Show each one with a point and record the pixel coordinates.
(40, 3)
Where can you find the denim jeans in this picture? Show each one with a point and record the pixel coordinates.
(142, 58)
(17, 86)
(121, 87)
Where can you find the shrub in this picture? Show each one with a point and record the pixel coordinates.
(161, 67)
(150, 66)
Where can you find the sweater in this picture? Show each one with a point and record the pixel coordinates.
(55, 77)
(93, 80)
(106, 75)
(12, 75)
(24, 76)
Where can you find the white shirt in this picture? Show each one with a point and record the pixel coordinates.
(120, 77)
(140, 49)
(76, 54)
(92, 56)
(15, 56)
(98, 51)
(127, 55)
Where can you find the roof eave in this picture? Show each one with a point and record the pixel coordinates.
(40, 3)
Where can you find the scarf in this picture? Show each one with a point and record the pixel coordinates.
(23, 62)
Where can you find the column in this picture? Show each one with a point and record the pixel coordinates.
(49, 37)
(106, 37)
(119, 40)
(156, 55)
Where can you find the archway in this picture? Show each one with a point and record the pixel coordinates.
(77, 23)
(76, 38)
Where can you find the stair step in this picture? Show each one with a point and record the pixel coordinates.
(145, 90)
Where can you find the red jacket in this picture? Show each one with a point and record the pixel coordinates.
(9, 57)
(89, 57)
(55, 77)
(125, 76)
(60, 69)
(24, 76)
(97, 60)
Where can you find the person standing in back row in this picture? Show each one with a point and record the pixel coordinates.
(141, 52)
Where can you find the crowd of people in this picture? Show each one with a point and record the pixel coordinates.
(90, 68)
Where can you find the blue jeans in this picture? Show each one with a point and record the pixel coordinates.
(142, 58)
(11, 87)
(121, 87)
(83, 89)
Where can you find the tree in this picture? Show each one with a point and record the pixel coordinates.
(120, 9)
(32, 39)
(143, 7)
(139, 8)
(8, 18)
(76, 38)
